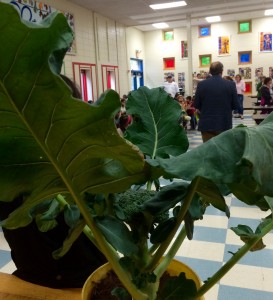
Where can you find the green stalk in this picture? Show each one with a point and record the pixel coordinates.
(171, 253)
(107, 250)
(233, 260)
(181, 215)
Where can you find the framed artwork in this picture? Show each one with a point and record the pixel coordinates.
(204, 31)
(181, 80)
(223, 45)
(244, 57)
(168, 63)
(34, 11)
(245, 72)
(184, 49)
(244, 26)
(168, 35)
(231, 73)
(204, 60)
(248, 87)
(265, 41)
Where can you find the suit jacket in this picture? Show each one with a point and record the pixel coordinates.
(216, 98)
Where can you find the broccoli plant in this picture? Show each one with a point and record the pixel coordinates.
(71, 153)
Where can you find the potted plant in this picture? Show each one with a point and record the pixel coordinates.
(56, 147)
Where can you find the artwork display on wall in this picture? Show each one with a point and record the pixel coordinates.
(204, 60)
(265, 41)
(168, 35)
(231, 73)
(184, 49)
(181, 80)
(245, 72)
(244, 57)
(204, 31)
(34, 11)
(248, 87)
(244, 26)
(168, 63)
(223, 45)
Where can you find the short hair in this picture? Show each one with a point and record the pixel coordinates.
(267, 79)
(216, 68)
(75, 91)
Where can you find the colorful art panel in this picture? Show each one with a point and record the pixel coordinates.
(245, 72)
(184, 49)
(34, 11)
(265, 41)
(223, 45)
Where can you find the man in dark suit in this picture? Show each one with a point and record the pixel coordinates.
(215, 100)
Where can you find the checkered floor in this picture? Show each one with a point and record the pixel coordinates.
(251, 279)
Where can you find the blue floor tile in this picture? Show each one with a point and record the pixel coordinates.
(215, 235)
(235, 293)
(262, 258)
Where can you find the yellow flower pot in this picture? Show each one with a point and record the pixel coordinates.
(174, 269)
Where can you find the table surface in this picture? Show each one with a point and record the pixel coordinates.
(259, 107)
(13, 288)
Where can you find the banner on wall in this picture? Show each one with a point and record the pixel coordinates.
(34, 11)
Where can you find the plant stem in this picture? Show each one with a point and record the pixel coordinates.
(108, 251)
(171, 253)
(233, 260)
(181, 215)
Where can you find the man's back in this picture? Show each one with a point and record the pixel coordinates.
(215, 98)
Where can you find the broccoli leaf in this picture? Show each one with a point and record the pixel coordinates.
(50, 142)
(155, 129)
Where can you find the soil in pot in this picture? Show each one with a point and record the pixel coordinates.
(102, 289)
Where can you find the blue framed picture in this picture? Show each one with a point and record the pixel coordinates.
(204, 30)
(245, 57)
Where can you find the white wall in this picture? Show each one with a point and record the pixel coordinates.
(156, 49)
(99, 41)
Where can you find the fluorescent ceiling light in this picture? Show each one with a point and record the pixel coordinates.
(268, 12)
(168, 5)
(213, 19)
(160, 25)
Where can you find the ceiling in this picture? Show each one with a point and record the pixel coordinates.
(137, 13)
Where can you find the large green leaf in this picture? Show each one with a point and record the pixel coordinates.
(156, 129)
(239, 158)
(51, 143)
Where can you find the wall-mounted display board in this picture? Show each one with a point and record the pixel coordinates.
(244, 57)
(168, 63)
(244, 26)
(204, 30)
(168, 35)
(204, 60)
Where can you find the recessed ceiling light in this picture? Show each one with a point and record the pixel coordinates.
(213, 19)
(168, 5)
(160, 25)
(268, 12)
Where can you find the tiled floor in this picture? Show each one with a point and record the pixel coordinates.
(251, 279)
